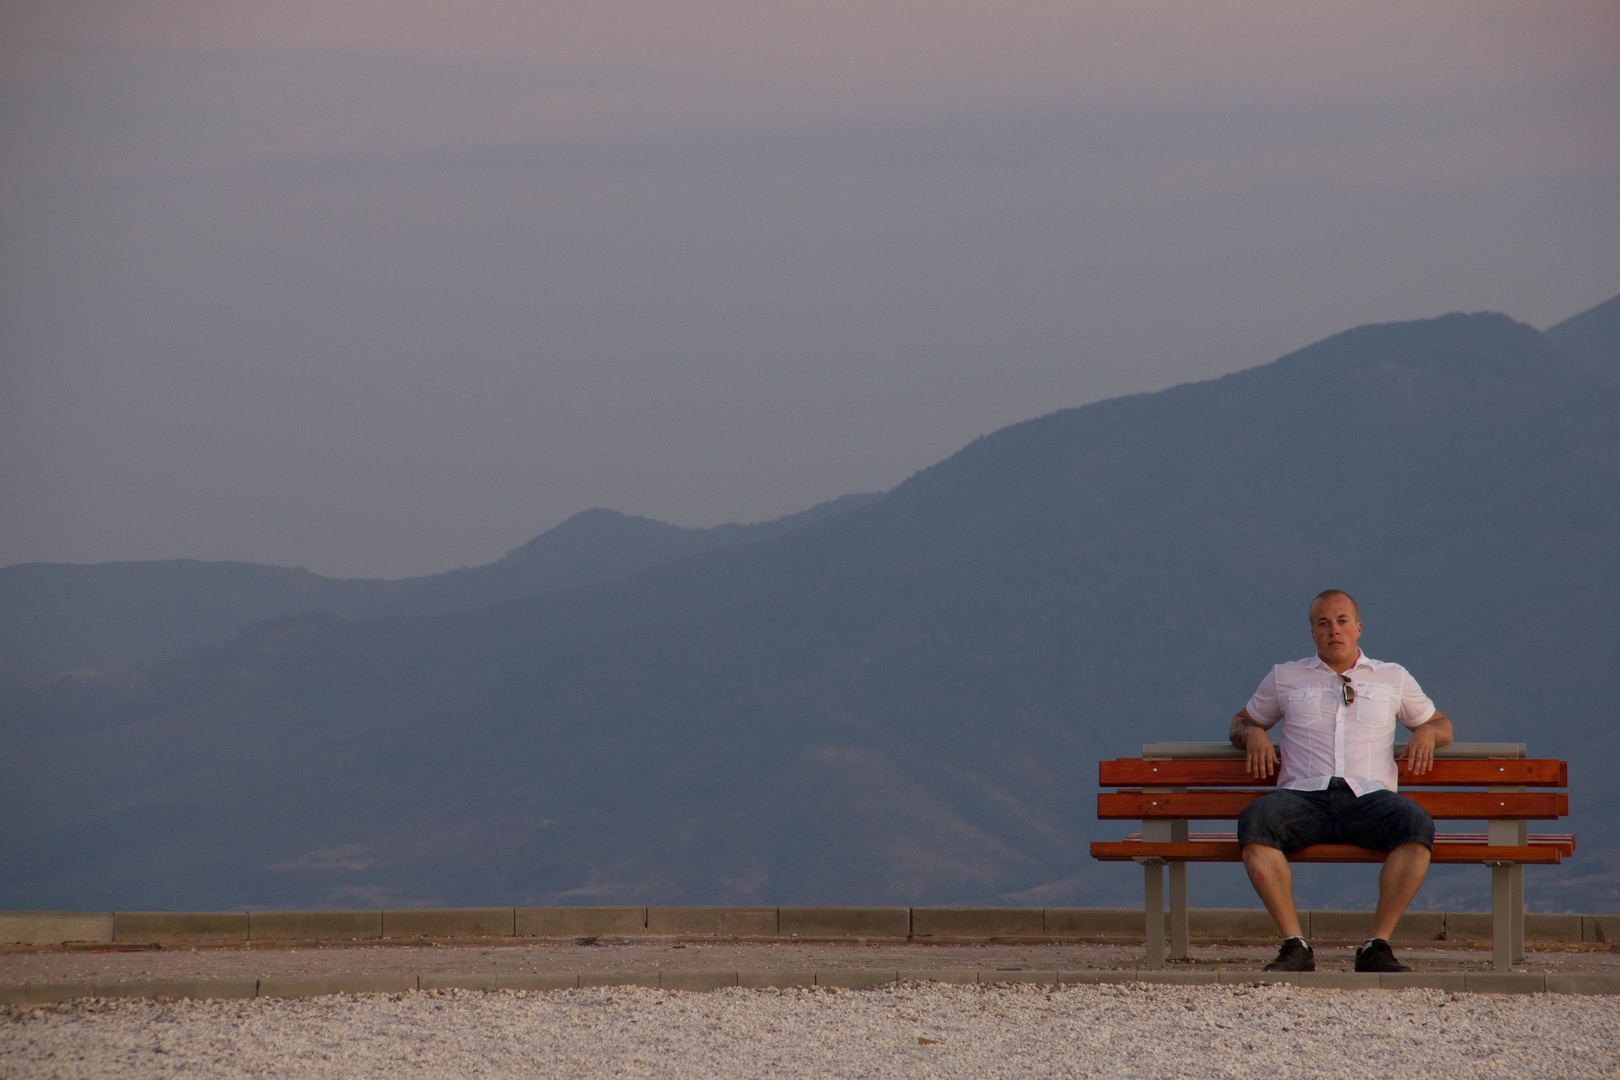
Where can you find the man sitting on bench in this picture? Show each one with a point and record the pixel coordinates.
(1337, 779)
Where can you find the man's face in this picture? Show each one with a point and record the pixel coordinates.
(1336, 630)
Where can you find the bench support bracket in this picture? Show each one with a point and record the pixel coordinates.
(1172, 831)
(1507, 892)
(1153, 904)
(1178, 909)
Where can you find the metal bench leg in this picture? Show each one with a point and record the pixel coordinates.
(1507, 891)
(1516, 898)
(1153, 903)
(1178, 896)
(1502, 916)
(1160, 831)
(1178, 911)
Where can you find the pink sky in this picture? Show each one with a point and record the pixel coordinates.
(496, 263)
(1339, 44)
(740, 61)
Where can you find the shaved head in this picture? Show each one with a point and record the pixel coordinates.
(1327, 593)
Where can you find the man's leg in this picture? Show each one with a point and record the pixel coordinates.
(1389, 822)
(1398, 882)
(1277, 822)
(1273, 879)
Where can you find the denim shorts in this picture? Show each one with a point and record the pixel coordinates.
(1290, 820)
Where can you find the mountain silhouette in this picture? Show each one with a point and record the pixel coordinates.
(57, 617)
(903, 702)
(1591, 338)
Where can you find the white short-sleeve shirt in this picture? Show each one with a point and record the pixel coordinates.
(1322, 737)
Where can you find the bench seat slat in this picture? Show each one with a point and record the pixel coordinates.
(1227, 851)
(1216, 805)
(1531, 772)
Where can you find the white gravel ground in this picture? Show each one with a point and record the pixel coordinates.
(909, 1030)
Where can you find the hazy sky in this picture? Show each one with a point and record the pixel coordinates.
(382, 288)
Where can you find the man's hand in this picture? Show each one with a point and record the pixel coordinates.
(1251, 738)
(1419, 756)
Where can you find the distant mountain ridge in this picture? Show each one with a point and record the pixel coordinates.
(901, 703)
(589, 548)
(57, 617)
(1590, 338)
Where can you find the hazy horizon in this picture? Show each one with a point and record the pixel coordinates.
(383, 290)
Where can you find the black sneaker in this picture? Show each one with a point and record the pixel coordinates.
(1376, 955)
(1294, 955)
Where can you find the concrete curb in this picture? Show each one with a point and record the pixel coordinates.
(548, 981)
(854, 979)
(337, 984)
(179, 927)
(718, 921)
(844, 922)
(619, 978)
(938, 925)
(776, 980)
(1581, 982)
(858, 979)
(978, 922)
(942, 975)
(315, 925)
(1163, 978)
(155, 989)
(562, 922)
(696, 980)
(1003, 975)
(450, 923)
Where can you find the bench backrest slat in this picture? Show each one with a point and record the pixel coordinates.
(1475, 772)
(1224, 749)
(1220, 805)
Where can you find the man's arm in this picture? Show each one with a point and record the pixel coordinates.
(1250, 737)
(1433, 732)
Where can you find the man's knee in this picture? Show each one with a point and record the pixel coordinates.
(1263, 858)
(1407, 825)
(1414, 853)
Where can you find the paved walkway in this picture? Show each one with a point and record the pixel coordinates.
(671, 962)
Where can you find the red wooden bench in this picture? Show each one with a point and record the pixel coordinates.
(1173, 784)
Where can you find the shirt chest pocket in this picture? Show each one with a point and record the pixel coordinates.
(1376, 705)
(1311, 707)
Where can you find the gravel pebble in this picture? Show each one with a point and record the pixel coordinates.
(905, 1030)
